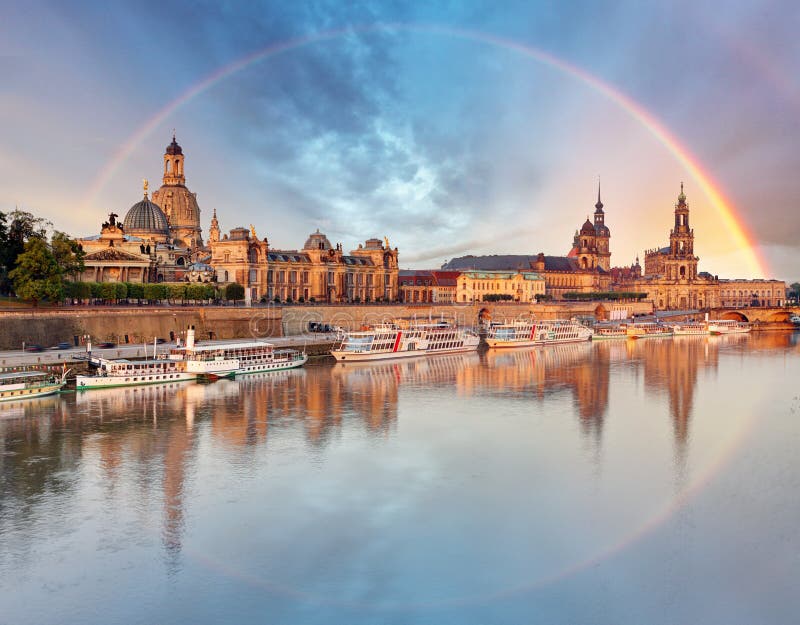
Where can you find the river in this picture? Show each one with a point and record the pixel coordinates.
(620, 482)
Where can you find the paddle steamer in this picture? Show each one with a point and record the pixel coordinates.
(17, 385)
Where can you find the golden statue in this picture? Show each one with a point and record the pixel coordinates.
(386, 241)
(253, 231)
(144, 186)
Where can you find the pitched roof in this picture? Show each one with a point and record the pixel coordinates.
(506, 262)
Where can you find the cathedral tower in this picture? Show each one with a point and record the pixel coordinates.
(179, 204)
(681, 263)
(603, 234)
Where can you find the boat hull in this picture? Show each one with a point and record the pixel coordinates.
(31, 393)
(89, 382)
(273, 366)
(345, 356)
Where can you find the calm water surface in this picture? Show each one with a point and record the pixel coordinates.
(615, 482)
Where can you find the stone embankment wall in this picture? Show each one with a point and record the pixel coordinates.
(108, 323)
(139, 325)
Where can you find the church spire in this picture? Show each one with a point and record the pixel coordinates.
(682, 196)
(599, 205)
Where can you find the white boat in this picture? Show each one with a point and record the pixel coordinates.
(649, 330)
(231, 359)
(607, 333)
(381, 342)
(690, 328)
(528, 332)
(446, 338)
(18, 385)
(795, 319)
(124, 372)
(727, 326)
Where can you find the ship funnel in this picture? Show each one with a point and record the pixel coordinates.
(190, 338)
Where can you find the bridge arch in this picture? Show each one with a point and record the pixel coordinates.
(779, 316)
(600, 313)
(734, 315)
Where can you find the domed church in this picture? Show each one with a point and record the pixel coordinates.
(178, 203)
(158, 240)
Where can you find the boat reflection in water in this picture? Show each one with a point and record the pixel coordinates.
(301, 477)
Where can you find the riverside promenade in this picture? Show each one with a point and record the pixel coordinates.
(140, 324)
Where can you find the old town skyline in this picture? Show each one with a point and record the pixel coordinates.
(319, 121)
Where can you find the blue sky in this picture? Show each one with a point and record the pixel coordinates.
(444, 144)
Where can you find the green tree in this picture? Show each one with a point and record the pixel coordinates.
(195, 292)
(19, 227)
(234, 291)
(795, 288)
(108, 291)
(68, 254)
(77, 290)
(37, 275)
(135, 290)
(177, 291)
(120, 290)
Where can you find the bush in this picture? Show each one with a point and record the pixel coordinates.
(176, 291)
(497, 297)
(135, 290)
(120, 290)
(234, 291)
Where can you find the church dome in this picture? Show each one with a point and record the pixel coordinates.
(173, 148)
(146, 218)
(317, 241)
(587, 228)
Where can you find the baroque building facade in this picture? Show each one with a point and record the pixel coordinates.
(318, 272)
(585, 268)
(151, 244)
(161, 240)
(672, 281)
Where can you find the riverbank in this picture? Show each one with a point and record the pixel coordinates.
(140, 324)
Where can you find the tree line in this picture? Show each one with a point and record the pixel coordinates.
(32, 266)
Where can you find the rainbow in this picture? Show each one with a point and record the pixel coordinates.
(732, 222)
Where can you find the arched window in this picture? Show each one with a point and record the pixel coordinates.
(167, 166)
(180, 262)
(683, 271)
(225, 275)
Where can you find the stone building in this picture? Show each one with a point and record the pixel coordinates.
(584, 269)
(318, 272)
(672, 281)
(152, 244)
(519, 286)
(430, 286)
(177, 202)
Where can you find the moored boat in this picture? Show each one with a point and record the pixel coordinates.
(446, 338)
(690, 328)
(18, 385)
(124, 372)
(381, 342)
(231, 359)
(648, 330)
(727, 326)
(607, 333)
(528, 332)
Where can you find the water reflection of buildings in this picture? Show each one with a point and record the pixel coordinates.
(145, 440)
(581, 369)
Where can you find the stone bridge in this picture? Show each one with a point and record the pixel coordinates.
(762, 314)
